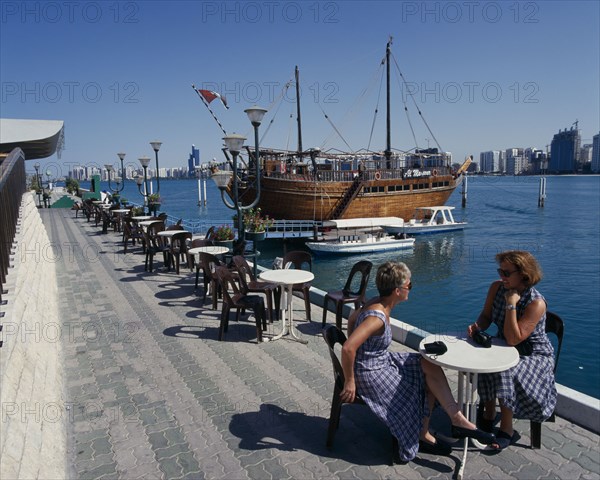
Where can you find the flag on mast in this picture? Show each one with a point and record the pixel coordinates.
(210, 95)
(206, 103)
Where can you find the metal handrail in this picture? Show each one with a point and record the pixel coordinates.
(12, 188)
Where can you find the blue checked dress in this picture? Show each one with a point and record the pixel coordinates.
(528, 388)
(392, 384)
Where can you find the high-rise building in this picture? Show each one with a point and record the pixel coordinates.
(193, 161)
(564, 151)
(516, 162)
(490, 161)
(596, 154)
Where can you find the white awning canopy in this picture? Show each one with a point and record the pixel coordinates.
(37, 138)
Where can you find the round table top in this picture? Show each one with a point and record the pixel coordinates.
(121, 210)
(141, 218)
(170, 233)
(145, 223)
(287, 276)
(466, 356)
(208, 249)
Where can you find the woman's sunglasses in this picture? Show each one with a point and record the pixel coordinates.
(505, 273)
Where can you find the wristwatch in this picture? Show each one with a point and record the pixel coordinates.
(511, 307)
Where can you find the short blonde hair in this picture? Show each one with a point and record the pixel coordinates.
(391, 275)
(526, 264)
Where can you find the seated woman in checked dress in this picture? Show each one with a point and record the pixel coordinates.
(528, 389)
(400, 388)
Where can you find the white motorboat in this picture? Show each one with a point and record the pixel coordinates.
(360, 235)
(427, 220)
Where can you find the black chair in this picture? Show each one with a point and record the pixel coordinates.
(298, 259)
(555, 325)
(154, 245)
(333, 336)
(178, 248)
(347, 295)
(208, 263)
(249, 284)
(234, 298)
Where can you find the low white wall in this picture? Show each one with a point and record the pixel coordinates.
(33, 419)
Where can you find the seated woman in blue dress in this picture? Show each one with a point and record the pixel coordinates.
(528, 389)
(400, 388)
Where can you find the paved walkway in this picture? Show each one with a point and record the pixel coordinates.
(153, 394)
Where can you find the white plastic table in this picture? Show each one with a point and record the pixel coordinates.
(288, 278)
(208, 249)
(141, 218)
(470, 359)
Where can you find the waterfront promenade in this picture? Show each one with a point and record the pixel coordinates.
(150, 393)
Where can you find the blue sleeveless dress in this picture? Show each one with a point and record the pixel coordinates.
(528, 388)
(392, 384)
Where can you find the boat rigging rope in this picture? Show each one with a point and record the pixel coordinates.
(416, 106)
(334, 127)
(376, 111)
(277, 102)
(354, 107)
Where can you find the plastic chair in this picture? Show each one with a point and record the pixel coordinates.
(208, 263)
(347, 295)
(154, 245)
(198, 242)
(178, 248)
(249, 284)
(234, 298)
(132, 231)
(298, 259)
(332, 336)
(555, 325)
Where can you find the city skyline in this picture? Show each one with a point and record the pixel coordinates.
(486, 76)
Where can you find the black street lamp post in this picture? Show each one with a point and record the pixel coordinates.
(234, 144)
(120, 181)
(39, 184)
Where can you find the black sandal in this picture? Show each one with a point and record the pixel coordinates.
(504, 440)
(439, 448)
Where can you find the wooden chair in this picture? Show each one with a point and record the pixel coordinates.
(298, 259)
(555, 325)
(249, 284)
(332, 336)
(234, 298)
(347, 295)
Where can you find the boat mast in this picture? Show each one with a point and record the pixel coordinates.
(388, 147)
(299, 119)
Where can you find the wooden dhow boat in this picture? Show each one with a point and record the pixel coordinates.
(319, 186)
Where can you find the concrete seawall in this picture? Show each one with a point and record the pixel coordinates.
(33, 423)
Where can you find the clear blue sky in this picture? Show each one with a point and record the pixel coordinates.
(488, 75)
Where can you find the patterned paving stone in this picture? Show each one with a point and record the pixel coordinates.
(156, 396)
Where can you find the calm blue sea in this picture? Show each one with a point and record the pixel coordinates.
(452, 272)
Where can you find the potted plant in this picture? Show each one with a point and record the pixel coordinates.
(255, 224)
(154, 202)
(224, 236)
